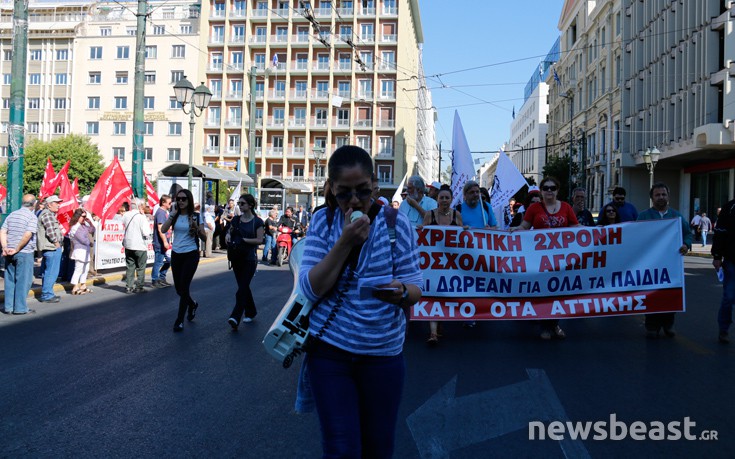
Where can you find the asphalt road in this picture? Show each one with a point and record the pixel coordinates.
(103, 375)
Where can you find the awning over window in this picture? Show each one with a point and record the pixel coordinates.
(294, 187)
(207, 173)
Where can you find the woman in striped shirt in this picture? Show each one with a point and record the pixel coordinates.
(355, 362)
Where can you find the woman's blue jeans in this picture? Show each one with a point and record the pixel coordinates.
(357, 398)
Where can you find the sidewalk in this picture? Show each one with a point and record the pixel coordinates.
(106, 277)
(699, 251)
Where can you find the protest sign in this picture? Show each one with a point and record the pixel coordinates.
(109, 251)
(629, 268)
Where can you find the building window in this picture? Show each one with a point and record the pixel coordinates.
(34, 78)
(174, 154)
(121, 77)
(61, 78)
(185, 30)
(105, 31)
(8, 55)
(59, 103)
(3, 152)
(6, 102)
(93, 128)
(148, 128)
(34, 103)
(7, 78)
(173, 104)
(149, 102)
(151, 52)
(95, 78)
(33, 128)
(123, 52)
(150, 77)
(119, 153)
(174, 128)
(176, 75)
(178, 51)
(159, 30)
(35, 55)
(95, 52)
(121, 103)
(131, 31)
(59, 128)
(148, 154)
(119, 128)
(62, 54)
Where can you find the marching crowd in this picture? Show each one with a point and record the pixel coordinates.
(354, 359)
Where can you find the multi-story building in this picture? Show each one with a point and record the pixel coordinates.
(678, 97)
(427, 151)
(104, 76)
(81, 72)
(529, 126)
(585, 100)
(326, 74)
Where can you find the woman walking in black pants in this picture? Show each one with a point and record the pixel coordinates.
(245, 234)
(187, 226)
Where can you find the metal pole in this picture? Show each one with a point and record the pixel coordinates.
(16, 138)
(251, 127)
(192, 122)
(571, 139)
(439, 174)
(138, 98)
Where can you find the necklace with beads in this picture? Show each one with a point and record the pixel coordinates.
(444, 213)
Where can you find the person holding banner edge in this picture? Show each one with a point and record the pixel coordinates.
(549, 213)
(443, 215)
(660, 197)
(723, 252)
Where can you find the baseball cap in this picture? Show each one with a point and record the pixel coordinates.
(53, 198)
(436, 185)
(534, 188)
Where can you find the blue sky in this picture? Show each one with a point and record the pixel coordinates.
(462, 34)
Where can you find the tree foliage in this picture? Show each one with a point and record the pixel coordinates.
(558, 166)
(86, 161)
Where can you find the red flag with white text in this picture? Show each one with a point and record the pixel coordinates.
(48, 178)
(3, 192)
(68, 202)
(151, 193)
(111, 190)
(75, 188)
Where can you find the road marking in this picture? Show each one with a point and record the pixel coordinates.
(445, 422)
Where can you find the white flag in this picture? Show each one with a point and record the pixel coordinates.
(506, 181)
(238, 191)
(397, 195)
(463, 169)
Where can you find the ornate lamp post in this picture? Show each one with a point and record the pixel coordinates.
(198, 100)
(318, 156)
(650, 157)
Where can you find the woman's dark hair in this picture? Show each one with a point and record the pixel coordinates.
(76, 216)
(602, 218)
(250, 199)
(348, 156)
(343, 158)
(529, 196)
(445, 188)
(485, 194)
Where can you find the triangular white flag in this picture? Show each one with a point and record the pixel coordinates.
(397, 195)
(463, 169)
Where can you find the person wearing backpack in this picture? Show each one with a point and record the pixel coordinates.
(354, 361)
(476, 213)
(244, 236)
(188, 229)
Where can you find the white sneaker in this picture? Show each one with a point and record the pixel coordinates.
(247, 319)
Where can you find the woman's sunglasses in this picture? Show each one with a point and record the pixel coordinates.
(182, 198)
(361, 194)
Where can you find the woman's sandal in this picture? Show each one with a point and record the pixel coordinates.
(84, 291)
(433, 340)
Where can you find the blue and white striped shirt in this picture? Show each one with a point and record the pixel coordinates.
(17, 224)
(370, 326)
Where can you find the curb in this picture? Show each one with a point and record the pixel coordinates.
(104, 279)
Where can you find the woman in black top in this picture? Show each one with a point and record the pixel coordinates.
(443, 215)
(245, 234)
(609, 216)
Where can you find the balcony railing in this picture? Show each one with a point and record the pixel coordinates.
(387, 66)
(346, 11)
(258, 39)
(237, 13)
(278, 94)
(279, 38)
(218, 13)
(260, 13)
(344, 93)
(234, 122)
(215, 66)
(367, 11)
(234, 95)
(322, 66)
(213, 122)
(390, 38)
(320, 95)
(387, 94)
(323, 12)
(344, 66)
(237, 39)
(297, 122)
(365, 95)
(217, 39)
(300, 38)
(368, 38)
(387, 124)
(299, 94)
(318, 123)
(390, 10)
(233, 151)
(301, 66)
(274, 152)
(296, 151)
(342, 123)
(385, 153)
(281, 13)
(211, 151)
(275, 122)
(364, 123)
(235, 67)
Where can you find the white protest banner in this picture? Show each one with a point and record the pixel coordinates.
(507, 180)
(109, 251)
(629, 268)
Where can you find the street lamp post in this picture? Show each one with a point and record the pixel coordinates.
(198, 100)
(650, 157)
(318, 156)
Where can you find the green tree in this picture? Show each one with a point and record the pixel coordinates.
(86, 161)
(558, 166)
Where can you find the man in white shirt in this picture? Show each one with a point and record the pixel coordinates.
(135, 241)
(416, 203)
(209, 228)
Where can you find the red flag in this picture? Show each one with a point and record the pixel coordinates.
(111, 190)
(64, 172)
(68, 202)
(48, 178)
(75, 188)
(151, 193)
(3, 192)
